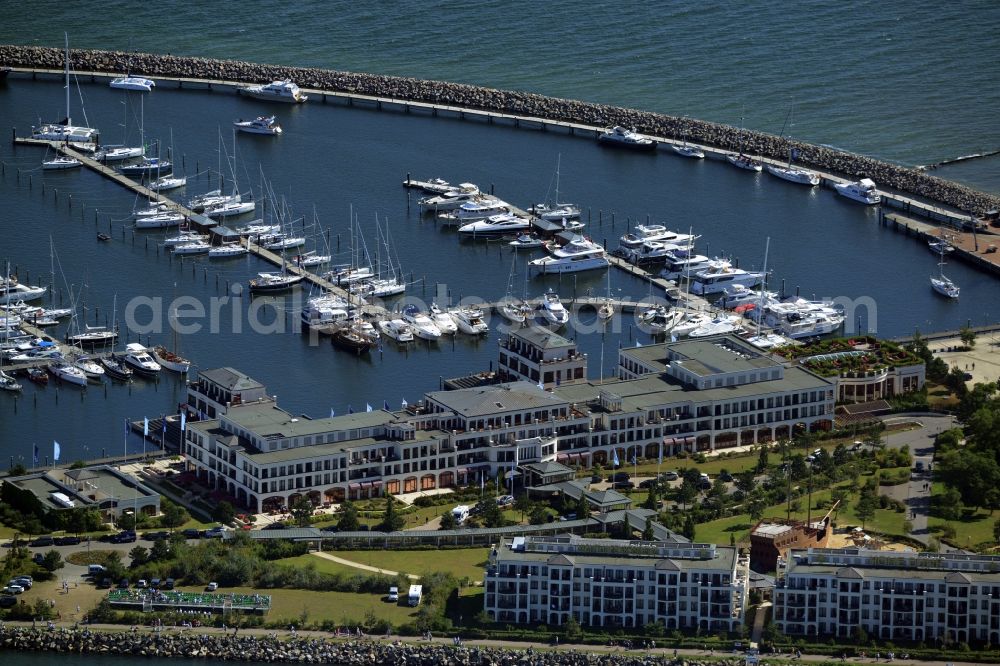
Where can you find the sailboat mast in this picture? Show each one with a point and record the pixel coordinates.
(763, 287)
(68, 121)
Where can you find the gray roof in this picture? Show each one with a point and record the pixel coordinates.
(232, 379)
(542, 337)
(724, 560)
(550, 467)
(266, 419)
(720, 355)
(493, 400)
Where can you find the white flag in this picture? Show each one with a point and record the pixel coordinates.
(55, 451)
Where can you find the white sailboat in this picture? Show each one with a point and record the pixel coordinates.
(942, 284)
(687, 150)
(788, 172)
(556, 210)
(65, 130)
(743, 161)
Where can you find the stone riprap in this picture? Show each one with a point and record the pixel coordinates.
(269, 649)
(722, 137)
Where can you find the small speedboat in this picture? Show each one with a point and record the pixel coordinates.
(259, 125)
(626, 138)
(8, 383)
(61, 162)
(526, 242)
(863, 191)
(38, 376)
(103, 237)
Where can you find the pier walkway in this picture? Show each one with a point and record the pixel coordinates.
(977, 248)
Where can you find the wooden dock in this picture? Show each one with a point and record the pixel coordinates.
(973, 248)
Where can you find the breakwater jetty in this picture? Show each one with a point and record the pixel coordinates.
(202, 71)
(312, 650)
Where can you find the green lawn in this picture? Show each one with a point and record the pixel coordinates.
(345, 608)
(975, 526)
(469, 562)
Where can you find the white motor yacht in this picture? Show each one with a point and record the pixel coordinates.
(451, 198)
(768, 340)
(504, 223)
(552, 310)
(276, 91)
(396, 329)
(259, 125)
(61, 162)
(137, 356)
(794, 174)
(650, 252)
(324, 311)
(526, 242)
(8, 383)
(421, 324)
(12, 291)
(742, 161)
(68, 373)
(580, 254)
(626, 138)
(136, 83)
(660, 319)
(654, 232)
(863, 190)
(940, 246)
(718, 326)
(716, 278)
(470, 321)
(691, 322)
(445, 321)
(735, 295)
(557, 212)
(470, 211)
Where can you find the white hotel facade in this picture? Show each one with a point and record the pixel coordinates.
(691, 395)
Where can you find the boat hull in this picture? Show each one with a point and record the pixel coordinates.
(798, 176)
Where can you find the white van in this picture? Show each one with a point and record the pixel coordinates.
(461, 513)
(416, 592)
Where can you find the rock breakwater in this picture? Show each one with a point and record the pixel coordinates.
(723, 137)
(269, 649)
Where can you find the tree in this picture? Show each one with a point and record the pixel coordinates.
(448, 521)
(756, 505)
(159, 551)
(172, 514)
(224, 512)
(689, 527)
(538, 515)
(996, 531)
(867, 503)
(523, 505)
(301, 510)
(139, 556)
(762, 459)
(348, 518)
(582, 507)
(52, 560)
(18, 469)
(647, 532)
(745, 481)
(652, 501)
(968, 336)
(391, 521)
(489, 513)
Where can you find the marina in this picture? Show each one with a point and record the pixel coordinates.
(290, 361)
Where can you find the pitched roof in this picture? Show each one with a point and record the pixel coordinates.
(230, 378)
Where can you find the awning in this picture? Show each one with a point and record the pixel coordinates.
(354, 486)
(376, 484)
(562, 456)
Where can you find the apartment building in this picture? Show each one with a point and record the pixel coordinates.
(890, 595)
(616, 583)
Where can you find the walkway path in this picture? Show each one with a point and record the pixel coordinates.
(364, 567)
(758, 622)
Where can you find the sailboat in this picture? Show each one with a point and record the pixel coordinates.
(743, 161)
(687, 150)
(353, 335)
(788, 172)
(512, 309)
(64, 131)
(147, 166)
(119, 152)
(607, 309)
(170, 359)
(557, 211)
(7, 383)
(942, 284)
(114, 365)
(233, 205)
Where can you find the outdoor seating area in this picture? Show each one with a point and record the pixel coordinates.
(160, 600)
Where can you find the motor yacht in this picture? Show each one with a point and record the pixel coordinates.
(580, 254)
(863, 191)
(717, 326)
(321, 311)
(422, 325)
(552, 310)
(12, 291)
(136, 83)
(940, 246)
(259, 125)
(556, 212)
(736, 295)
(660, 319)
(479, 209)
(185, 237)
(714, 279)
(626, 138)
(691, 322)
(650, 252)
(526, 242)
(276, 91)
(451, 198)
(8, 383)
(504, 223)
(396, 329)
(655, 232)
(138, 358)
(470, 321)
(445, 321)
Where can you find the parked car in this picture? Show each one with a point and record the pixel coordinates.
(619, 476)
(156, 536)
(669, 476)
(123, 584)
(648, 483)
(596, 478)
(192, 533)
(393, 594)
(42, 541)
(154, 583)
(104, 583)
(275, 526)
(7, 602)
(141, 583)
(38, 558)
(13, 589)
(67, 540)
(211, 587)
(623, 485)
(725, 476)
(168, 584)
(505, 500)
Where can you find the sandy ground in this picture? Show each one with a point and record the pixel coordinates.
(982, 361)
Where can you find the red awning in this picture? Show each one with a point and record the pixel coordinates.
(354, 486)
